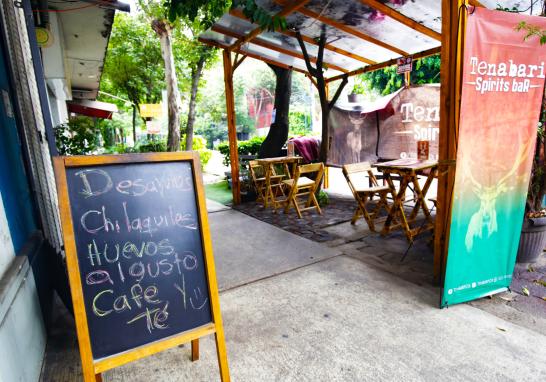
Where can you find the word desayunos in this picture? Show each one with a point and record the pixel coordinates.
(98, 182)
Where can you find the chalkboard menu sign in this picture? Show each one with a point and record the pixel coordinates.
(138, 255)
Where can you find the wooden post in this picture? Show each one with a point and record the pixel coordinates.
(195, 350)
(326, 183)
(232, 128)
(450, 95)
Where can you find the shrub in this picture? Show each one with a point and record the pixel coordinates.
(323, 198)
(77, 137)
(250, 147)
(199, 144)
(152, 147)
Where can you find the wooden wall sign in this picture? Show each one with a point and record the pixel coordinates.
(139, 257)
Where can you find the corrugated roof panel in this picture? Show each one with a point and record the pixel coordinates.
(218, 38)
(374, 24)
(312, 28)
(425, 12)
(281, 58)
(291, 43)
(236, 24)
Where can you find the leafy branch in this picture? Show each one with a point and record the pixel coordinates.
(206, 12)
(531, 31)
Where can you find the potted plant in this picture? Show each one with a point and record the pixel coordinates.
(356, 92)
(533, 232)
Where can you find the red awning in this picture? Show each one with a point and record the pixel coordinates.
(96, 109)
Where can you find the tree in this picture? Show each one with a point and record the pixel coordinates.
(197, 57)
(157, 16)
(133, 67)
(278, 132)
(318, 73)
(206, 12)
(386, 81)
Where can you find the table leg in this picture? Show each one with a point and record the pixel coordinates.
(421, 194)
(267, 184)
(397, 206)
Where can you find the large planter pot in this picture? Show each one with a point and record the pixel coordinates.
(354, 98)
(532, 241)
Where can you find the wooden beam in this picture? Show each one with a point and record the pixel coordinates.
(451, 82)
(239, 14)
(290, 8)
(401, 18)
(350, 30)
(276, 48)
(238, 62)
(232, 128)
(382, 65)
(251, 55)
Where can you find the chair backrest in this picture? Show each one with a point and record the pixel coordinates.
(256, 170)
(356, 173)
(304, 170)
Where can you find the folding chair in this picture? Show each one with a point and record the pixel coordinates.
(356, 178)
(302, 185)
(257, 173)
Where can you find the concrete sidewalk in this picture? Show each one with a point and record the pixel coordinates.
(295, 310)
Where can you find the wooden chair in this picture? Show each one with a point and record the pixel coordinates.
(257, 173)
(364, 192)
(302, 185)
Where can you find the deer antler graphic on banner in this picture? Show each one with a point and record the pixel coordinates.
(486, 216)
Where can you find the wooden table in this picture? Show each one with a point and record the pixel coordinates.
(268, 165)
(408, 170)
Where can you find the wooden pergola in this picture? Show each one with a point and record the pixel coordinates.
(363, 36)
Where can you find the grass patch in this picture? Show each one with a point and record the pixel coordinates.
(219, 192)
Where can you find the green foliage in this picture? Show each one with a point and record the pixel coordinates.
(323, 198)
(199, 144)
(206, 12)
(152, 147)
(133, 68)
(385, 81)
(77, 137)
(531, 31)
(359, 86)
(299, 124)
(260, 16)
(250, 147)
(212, 132)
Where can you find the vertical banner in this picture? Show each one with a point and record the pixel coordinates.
(503, 84)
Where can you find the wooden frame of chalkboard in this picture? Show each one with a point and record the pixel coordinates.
(93, 367)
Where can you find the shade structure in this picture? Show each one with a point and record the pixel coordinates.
(362, 35)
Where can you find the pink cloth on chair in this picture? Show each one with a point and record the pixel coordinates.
(307, 147)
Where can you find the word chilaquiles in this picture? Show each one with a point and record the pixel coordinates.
(128, 254)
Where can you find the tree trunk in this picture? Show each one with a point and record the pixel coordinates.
(318, 73)
(134, 125)
(325, 108)
(163, 29)
(278, 132)
(195, 77)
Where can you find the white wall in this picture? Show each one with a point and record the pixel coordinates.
(22, 332)
(7, 252)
